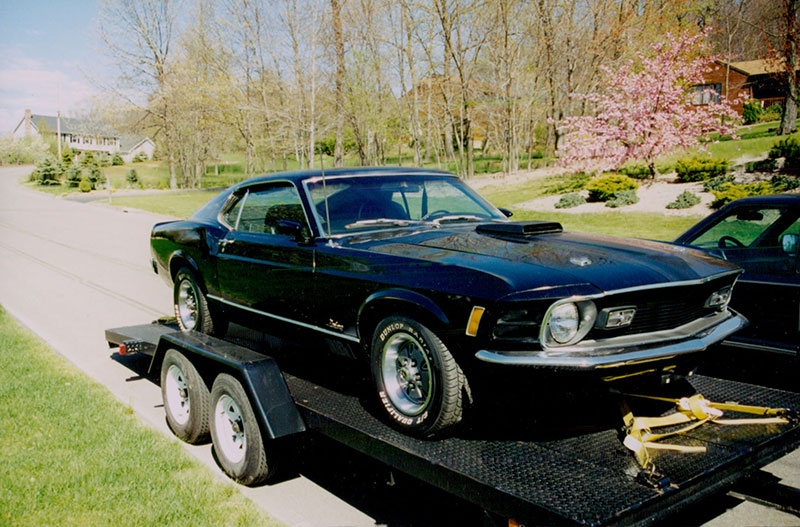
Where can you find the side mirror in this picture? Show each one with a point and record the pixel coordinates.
(507, 213)
(790, 242)
(292, 228)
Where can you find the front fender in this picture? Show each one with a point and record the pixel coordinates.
(413, 301)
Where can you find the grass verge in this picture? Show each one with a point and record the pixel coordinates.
(71, 454)
(179, 204)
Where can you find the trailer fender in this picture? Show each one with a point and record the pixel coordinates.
(259, 374)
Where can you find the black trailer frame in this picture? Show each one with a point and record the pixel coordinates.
(585, 479)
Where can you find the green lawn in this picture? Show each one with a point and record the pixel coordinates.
(72, 455)
(179, 204)
(649, 225)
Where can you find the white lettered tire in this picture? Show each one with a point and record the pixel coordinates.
(418, 381)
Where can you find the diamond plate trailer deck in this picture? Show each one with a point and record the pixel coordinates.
(580, 479)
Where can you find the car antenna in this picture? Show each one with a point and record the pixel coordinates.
(325, 192)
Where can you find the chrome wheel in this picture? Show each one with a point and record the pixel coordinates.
(406, 374)
(187, 304)
(230, 429)
(177, 395)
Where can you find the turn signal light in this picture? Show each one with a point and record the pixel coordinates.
(475, 320)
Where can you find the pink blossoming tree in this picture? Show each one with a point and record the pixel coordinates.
(646, 109)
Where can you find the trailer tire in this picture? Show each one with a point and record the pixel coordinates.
(187, 401)
(191, 306)
(235, 433)
(419, 383)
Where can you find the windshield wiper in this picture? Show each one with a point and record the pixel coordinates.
(458, 217)
(379, 222)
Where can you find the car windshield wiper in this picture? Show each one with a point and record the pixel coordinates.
(458, 217)
(380, 222)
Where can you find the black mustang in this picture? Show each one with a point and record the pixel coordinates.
(418, 276)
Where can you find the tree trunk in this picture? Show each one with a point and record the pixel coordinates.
(338, 151)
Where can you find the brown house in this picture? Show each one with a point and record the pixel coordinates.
(755, 79)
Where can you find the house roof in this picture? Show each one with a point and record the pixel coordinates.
(757, 67)
(129, 142)
(69, 125)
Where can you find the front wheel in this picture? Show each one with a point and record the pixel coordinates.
(418, 381)
(191, 306)
(235, 433)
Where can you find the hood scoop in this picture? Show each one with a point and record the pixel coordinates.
(520, 228)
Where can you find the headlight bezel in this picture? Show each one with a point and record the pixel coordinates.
(586, 311)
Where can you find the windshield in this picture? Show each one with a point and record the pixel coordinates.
(370, 202)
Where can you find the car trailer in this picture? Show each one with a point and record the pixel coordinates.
(580, 479)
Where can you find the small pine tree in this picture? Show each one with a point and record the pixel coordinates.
(66, 157)
(74, 175)
(132, 178)
(117, 160)
(93, 174)
(48, 172)
(87, 158)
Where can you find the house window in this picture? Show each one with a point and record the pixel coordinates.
(705, 93)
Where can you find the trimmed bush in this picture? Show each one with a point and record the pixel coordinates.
(752, 112)
(140, 157)
(635, 170)
(784, 182)
(605, 187)
(570, 200)
(772, 113)
(85, 185)
(685, 200)
(789, 149)
(622, 198)
(699, 168)
(730, 192)
(117, 160)
(762, 165)
(716, 183)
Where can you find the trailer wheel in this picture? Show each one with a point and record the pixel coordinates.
(418, 381)
(235, 433)
(191, 306)
(187, 400)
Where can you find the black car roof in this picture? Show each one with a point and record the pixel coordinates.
(301, 175)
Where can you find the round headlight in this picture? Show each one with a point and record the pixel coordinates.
(564, 322)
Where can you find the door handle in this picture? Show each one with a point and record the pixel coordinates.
(224, 243)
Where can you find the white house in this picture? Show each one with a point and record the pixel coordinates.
(83, 136)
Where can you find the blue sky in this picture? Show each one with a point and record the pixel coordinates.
(47, 47)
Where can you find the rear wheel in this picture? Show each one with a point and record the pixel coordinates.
(418, 381)
(235, 433)
(187, 401)
(191, 306)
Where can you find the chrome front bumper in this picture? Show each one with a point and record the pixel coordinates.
(627, 350)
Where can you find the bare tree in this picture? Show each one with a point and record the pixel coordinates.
(138, 34)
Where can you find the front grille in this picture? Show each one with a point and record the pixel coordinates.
(661, 309)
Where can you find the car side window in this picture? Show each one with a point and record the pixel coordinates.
(741, 228)
(263, 209)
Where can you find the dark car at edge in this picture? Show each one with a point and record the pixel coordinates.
(762, 236)
(432, 289)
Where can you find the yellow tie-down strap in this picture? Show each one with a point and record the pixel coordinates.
(693, 411)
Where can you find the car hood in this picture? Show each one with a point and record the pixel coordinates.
(551, 260)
